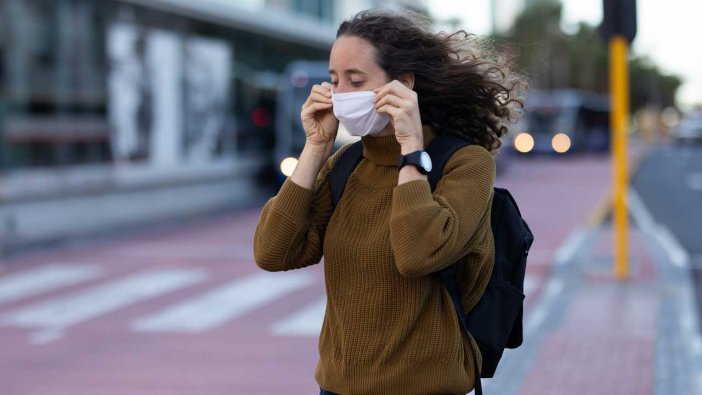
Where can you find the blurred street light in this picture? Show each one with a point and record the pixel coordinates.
(288, 165)
(560, 143)
(524, 142)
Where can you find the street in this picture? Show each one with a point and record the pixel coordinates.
(185, 310)
(670, 185)
(140, 140)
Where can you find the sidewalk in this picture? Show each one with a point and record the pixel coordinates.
(592, 334)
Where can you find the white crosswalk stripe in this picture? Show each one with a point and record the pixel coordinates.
(306, 322)
(224, 304)
(45, 279)
(101, 299)
(196, 314)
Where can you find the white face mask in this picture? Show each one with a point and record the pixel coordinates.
(356, 112)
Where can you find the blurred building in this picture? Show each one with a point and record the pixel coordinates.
(116, 112)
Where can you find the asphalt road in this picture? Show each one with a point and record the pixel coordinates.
(669, 182)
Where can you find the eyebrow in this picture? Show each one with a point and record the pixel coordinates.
(349, 71)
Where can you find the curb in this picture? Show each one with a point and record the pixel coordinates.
(677, 257)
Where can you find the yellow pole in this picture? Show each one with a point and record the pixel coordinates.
(619, 98)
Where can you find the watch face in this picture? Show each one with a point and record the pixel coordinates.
(426, 161)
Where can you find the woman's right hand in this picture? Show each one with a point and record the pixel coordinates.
(318, 118)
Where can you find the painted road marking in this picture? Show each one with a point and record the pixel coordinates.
(530, 285)
(567, 251)
(57, 314)
(676, 253)
(306, 322)
(224, 304)
(44, 279)
(538, 315)
(193, 250)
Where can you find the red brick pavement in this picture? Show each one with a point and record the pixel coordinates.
(103, 356)
(606, 341)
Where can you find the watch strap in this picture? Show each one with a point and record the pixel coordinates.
(413, 158)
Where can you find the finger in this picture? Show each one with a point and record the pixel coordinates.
(402, 89)
(327, 85)
(397, 90)
(320, 98)
(322, 90)
(381, 91)
(393, 101)
(393, 111)
(307, 102)
(399, 85)
(314, 107)
(315, 97)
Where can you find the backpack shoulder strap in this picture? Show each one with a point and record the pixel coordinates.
(440, 150)
(450, 278)
(342, 169)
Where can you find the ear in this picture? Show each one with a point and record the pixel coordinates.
(407, 79)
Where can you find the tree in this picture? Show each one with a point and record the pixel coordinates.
(553, 59)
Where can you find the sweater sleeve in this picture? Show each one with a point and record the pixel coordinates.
(290, 230)
(428, 231)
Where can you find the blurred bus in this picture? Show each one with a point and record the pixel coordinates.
(563, 121)
(295, 85)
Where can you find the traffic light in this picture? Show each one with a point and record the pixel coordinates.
(618, 30)
(619, 19)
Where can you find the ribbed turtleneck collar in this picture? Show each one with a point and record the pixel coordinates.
(385, 150)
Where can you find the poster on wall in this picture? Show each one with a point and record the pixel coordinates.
(129, 99)
(207, 75)
(164, 67)
(168, 95)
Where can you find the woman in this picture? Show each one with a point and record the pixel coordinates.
(390, 326)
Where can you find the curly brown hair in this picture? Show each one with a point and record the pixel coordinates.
(463, 86)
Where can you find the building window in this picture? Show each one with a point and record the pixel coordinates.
(54, 84)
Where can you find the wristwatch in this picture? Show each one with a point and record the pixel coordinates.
(420, 159)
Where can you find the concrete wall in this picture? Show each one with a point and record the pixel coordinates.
(107, 199)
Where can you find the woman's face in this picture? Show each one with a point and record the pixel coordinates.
(352, 66)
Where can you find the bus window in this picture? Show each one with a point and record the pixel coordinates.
(563, 121)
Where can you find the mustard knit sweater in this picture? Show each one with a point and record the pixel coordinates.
(389, 326)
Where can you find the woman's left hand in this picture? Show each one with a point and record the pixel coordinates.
(400, 103)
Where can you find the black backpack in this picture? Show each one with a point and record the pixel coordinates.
(496, 320)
